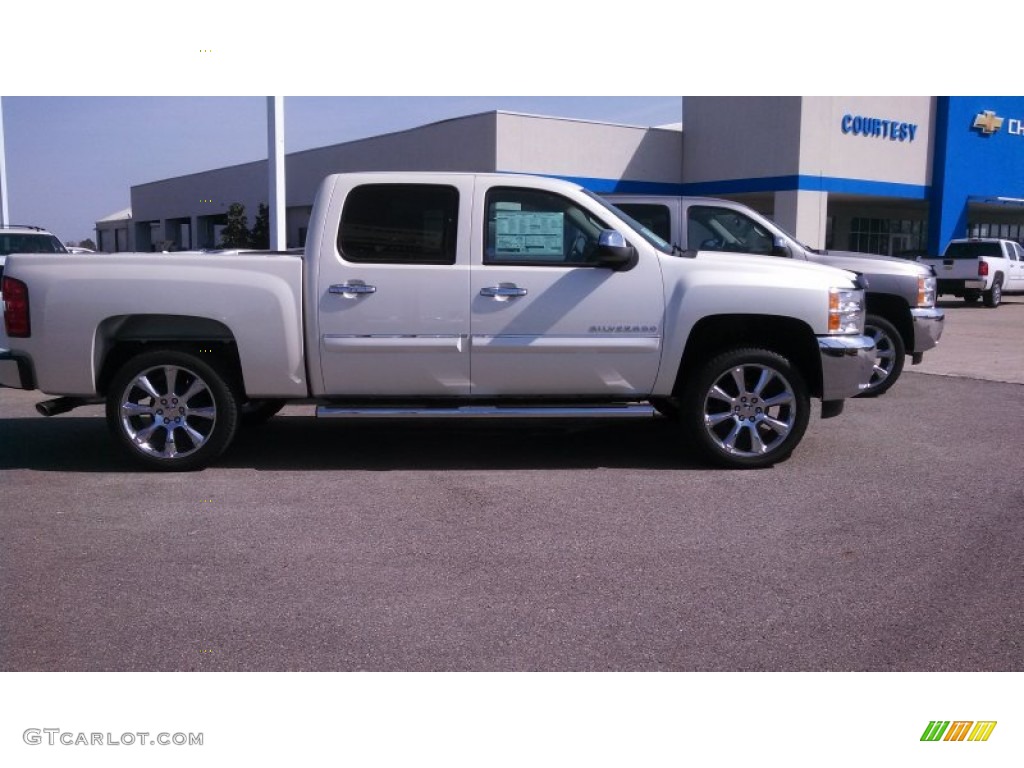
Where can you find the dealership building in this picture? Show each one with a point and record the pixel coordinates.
(889, 175)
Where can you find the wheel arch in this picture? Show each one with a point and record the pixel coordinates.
(120, 338)
(787, 336)
(896, 310)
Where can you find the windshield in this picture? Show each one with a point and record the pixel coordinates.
(640, 229)
(28, 243)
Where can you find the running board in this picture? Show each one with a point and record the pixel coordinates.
(632, 411)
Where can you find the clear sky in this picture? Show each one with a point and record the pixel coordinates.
(72, 160)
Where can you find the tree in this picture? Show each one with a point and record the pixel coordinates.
(236, 229)
(260, 236)
(88, 243)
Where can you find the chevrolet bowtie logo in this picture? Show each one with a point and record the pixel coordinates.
(987, 122)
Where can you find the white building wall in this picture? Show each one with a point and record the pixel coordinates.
(826, 150)
(579, 148)
(726, 137)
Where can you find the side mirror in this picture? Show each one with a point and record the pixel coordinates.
(781, 248)
(613, 252)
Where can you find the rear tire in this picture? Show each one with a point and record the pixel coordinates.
(171, 411)
(994, 295)
(745, 409)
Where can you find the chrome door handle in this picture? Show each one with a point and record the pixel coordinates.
(502, 291)
(345, 288)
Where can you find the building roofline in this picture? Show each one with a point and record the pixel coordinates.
(495, 112)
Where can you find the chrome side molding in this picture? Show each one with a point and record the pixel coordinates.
(631, 411)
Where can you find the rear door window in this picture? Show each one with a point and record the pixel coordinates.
(399, 224)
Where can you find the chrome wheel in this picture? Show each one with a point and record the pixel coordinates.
(885, 356)
(168, 412)
(889, 355)
(750, 410)
(171, 410)
(745, 408)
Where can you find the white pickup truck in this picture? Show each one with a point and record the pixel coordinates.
(440, 294)
(901, 314)
(981, 266)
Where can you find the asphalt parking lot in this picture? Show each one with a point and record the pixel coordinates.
(889, 541)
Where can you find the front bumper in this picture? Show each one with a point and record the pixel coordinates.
(928, 325)
(846, 365)
(15, 371)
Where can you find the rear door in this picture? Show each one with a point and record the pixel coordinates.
(393, 289)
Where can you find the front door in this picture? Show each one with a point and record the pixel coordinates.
(545, 319)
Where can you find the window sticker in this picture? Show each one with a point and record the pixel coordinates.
(529, 234)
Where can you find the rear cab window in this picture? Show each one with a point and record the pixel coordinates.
(972, 250)
(400, 224)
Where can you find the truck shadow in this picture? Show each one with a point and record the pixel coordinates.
(77, 444)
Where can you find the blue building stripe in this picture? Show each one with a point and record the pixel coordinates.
(804, 183)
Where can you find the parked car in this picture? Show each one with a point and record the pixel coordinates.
(442, 295)
(901, 313)
(16, 238)
(78, 249)
(977, 267)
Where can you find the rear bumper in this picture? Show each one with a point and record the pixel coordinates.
(957, 287)
(846, 365)
(16, 371)
(928, 325)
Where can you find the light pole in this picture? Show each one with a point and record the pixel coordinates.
(275, 166)
(4, 217)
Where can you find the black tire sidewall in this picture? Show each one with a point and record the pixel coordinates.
(227, 417)
(694, 392)
(253, 413)
(994, 296)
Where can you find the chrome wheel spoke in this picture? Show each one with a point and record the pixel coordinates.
(170, 447)
(718, 393)
(171, 374)
(783, 398)
(762, 381)
(197, 387)
(137, 409)
(143, 435)
(197, 438)
(730, 440)
(781, 428)
(204, 413)
(714, 419)
(738, 380)
(146, 386)
(756, 443)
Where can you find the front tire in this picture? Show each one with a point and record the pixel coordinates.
(891, 355)
(252, 413)
(169, 410)
(745, 409)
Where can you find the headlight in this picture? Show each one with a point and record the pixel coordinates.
(926, 291)
(845, 311)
